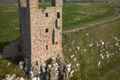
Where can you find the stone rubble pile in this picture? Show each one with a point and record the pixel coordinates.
(13, 77)
(54, 69)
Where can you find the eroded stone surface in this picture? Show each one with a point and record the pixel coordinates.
(41, 31)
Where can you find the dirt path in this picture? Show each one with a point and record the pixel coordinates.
(93, 24)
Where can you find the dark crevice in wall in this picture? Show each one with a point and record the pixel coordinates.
(46, 47)
(46, 15)
(58, 15)
(46, 30)
(53, 37)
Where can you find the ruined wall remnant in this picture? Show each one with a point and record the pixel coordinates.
(41, 31)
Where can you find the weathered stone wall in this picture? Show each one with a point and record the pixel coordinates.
(46, 24)
(41, 30)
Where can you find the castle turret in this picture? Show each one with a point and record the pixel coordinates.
(41, 31)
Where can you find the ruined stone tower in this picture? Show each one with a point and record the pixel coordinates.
(41, 31)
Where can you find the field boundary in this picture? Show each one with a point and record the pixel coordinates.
(92, 24)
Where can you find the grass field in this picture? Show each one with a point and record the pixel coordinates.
(74, 15)
(9, 29)
(94, 52)
(9, 24)
(6, 67)
(77, 15)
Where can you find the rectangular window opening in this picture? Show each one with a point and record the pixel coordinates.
(58, 15)
(46, 14)
(46, 47)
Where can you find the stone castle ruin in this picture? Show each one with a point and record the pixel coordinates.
(41, 36)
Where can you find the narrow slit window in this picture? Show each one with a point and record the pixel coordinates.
(37, 63)
(58, 15)
(56, 24)
(53, 37)
(46, 30)
(46, 14)
(46, 47)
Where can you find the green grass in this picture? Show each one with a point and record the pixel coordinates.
(6, 67)
(9, 29)
(88, 56)
(76, 15)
